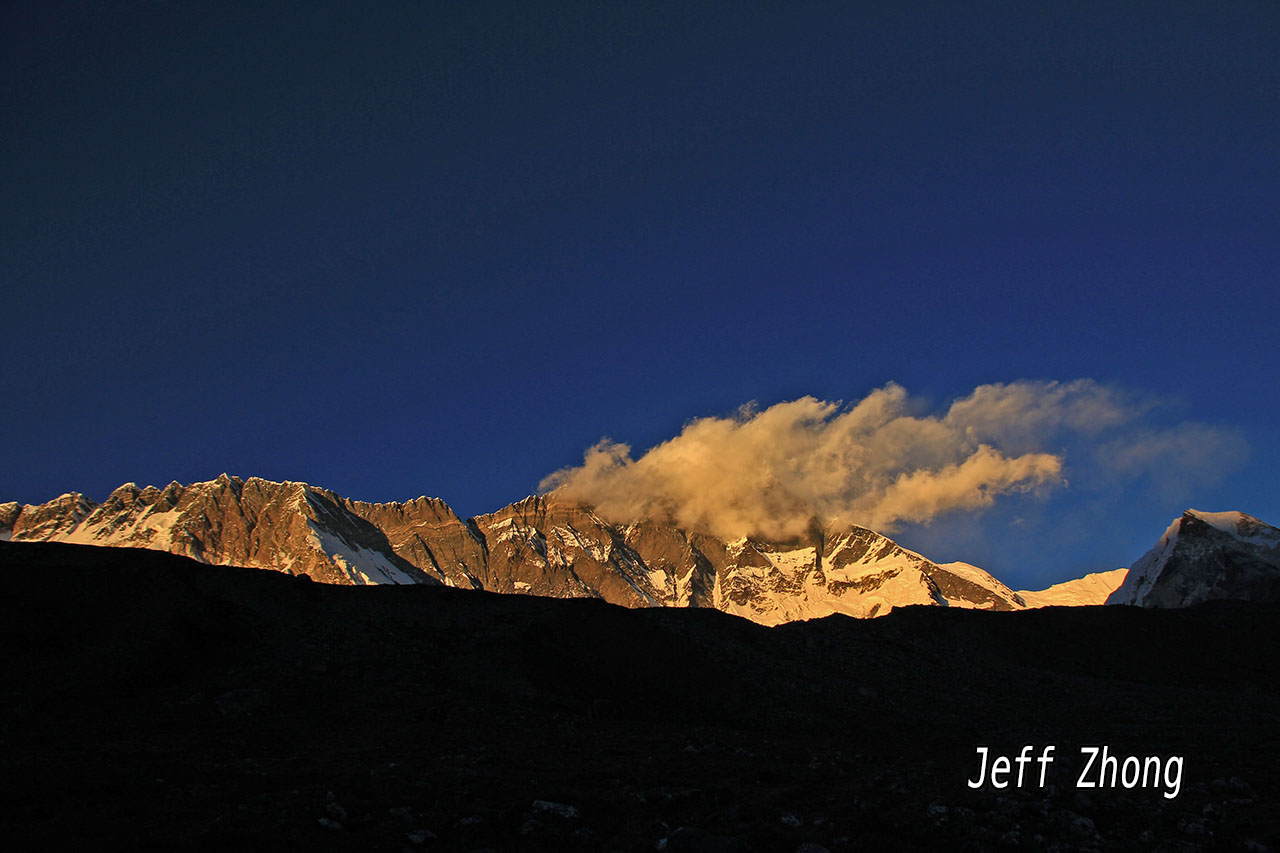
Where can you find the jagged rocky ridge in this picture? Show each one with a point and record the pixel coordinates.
(539, 546)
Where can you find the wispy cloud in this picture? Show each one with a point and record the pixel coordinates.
(881, 461)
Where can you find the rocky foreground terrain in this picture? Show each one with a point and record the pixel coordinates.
(153, 701)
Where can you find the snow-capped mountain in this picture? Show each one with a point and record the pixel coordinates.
(1203, 556)
(538, 546)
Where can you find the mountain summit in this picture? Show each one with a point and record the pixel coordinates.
(1203, 556)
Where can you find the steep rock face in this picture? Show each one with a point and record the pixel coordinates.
(9, 513)
(427, 534)
(47, 520)
(679, 568)
(546, 547)
(1203, 556)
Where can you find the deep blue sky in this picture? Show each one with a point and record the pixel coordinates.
(396, 248)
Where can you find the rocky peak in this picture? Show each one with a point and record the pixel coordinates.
(225, 481)
(48, 519)
(9, 513)
(125, 491)
(1206, 555)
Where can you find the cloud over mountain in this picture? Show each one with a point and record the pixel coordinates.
(880, 462)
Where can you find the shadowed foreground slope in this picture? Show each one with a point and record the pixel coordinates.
(151, 698)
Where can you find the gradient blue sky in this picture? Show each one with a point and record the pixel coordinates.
(395, 248)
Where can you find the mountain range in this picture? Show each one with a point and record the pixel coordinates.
(546, 546)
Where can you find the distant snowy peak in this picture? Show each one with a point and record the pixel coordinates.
(1203, 556)
(1093, 588)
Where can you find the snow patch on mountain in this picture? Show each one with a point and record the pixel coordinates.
(362, 566)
